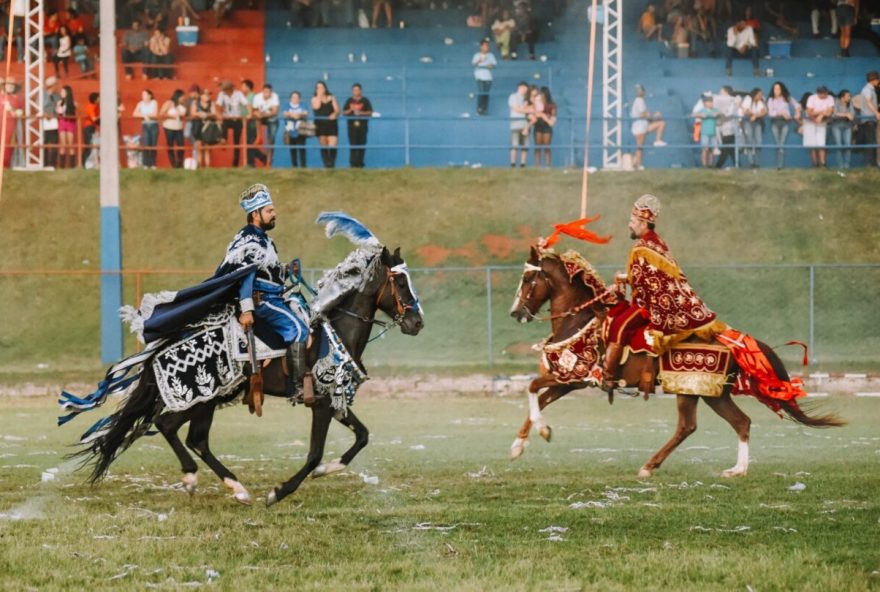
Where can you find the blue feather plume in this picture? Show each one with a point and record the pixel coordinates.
(353, 230)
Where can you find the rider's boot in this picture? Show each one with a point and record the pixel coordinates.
(302, 380)
(613, 353)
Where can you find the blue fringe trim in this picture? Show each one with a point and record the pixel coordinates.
(109, 386)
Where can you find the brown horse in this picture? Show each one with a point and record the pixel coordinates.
(574, 304)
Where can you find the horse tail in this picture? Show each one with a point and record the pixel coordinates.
(114, 434)
(802, 414)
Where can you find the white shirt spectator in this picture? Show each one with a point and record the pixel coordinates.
(481, 63)
(263, 106)
(749, 107)
(637, 113)
(819, 105)
(741, 39)
(147, 110)
(728, 106)
(518, 120)
(233, 105)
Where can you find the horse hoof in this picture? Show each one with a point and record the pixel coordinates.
(271, 499)
(545, 432)
(734, 472)
(644, 473)
(239, 493)
(190, 481)
(517, 448)
(324, 469)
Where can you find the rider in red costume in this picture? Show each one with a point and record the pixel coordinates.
(664, 309)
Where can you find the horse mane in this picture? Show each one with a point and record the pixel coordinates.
(351, 275)
(575, 265)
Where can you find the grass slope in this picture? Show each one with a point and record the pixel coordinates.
(450, 512)
(443, 217)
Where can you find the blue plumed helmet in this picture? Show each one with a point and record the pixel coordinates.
(254, 197)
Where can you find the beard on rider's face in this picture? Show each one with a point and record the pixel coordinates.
(268, 224)
(633, 235)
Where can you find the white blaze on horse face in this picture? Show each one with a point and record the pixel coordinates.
(417, 304)
(517, 303)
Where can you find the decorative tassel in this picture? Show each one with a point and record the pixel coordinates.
(806, 350)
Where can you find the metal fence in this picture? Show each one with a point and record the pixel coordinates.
(52, 318)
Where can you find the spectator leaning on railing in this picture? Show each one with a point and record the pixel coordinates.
(868, 116)
(251, 126)
(358, 109)
(294, 115)
(50, 122)
(753, 109)
(229, 106)
(820, 107)
(265, 108)
(707, 115)
(148, 110)
(643, 123)
(782, 109)
(91, 121)
(173, 114)
(67, 120)
(842, 121)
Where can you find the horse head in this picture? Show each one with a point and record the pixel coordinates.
(396, 295)
(545, 277)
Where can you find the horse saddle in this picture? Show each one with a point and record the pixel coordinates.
(691, 367)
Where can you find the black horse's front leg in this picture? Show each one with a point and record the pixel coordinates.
(322, 413)
(361, 439)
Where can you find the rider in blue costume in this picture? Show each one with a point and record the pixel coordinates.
(261, 292)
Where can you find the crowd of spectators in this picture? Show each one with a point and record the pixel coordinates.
(736, 29)
(728, 120)
(197, 123)
(67, 37)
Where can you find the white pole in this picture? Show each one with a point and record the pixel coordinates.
(111, 243)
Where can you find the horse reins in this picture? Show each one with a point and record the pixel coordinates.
(399, 306)
(539, 269)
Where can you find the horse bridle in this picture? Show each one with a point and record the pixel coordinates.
(539, 269)
(400, 307)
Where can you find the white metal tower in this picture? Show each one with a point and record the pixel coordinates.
(34, 72)
(612, 84)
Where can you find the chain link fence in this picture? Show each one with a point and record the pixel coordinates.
(53, 319)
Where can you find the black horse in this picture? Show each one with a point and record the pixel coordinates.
(388, 289)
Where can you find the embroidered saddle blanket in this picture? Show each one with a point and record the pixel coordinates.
(209, 363)
(695, 369)
(577, 358)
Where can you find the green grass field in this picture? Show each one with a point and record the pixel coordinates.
(450, 512)
(450, 217)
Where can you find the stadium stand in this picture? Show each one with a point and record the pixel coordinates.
(420, 81)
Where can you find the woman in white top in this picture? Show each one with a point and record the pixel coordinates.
(148, 111)
(781, 109)
(643, 123)
(820, 108)
(173, 114)
(65, 50)
(753, 109)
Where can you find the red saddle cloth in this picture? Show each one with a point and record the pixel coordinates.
(575, 359)
(757, 376)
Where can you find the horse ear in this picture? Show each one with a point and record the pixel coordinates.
(534, 257)
(397, 258)
(386, 257)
